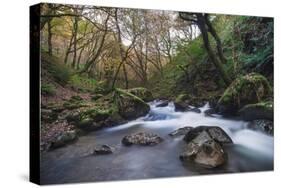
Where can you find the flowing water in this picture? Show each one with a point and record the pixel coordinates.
(251, 151)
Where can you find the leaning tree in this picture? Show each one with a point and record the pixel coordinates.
(205, 26)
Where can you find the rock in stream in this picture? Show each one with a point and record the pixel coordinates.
(142, 138)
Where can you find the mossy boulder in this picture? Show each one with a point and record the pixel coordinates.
(182, 97)
(261, 110)
(184, 102)
(249, 89)
(95, 117)
(110, 110)
(130, 106)
(142, 93)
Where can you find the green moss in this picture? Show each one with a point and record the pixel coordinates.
(102, 87)
(48, 89)
(123, 93)
(74, 102)
(264, 105)
(142, 93)
(75, 98)
(129, 106)
(97, 114)
(261, 110)
(182, 97)
(60, 72)
(83, 83)
(251, 88)
(96, 97)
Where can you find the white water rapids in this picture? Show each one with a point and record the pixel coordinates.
(166, 117)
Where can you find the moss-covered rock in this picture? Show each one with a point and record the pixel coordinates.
(184, 102)
(96, 116)
(261, 110)
(249, 89)
(110, 110)
(182, 98)
(130, 106)
(142, 93)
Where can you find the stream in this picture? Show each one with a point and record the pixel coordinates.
(252, 150)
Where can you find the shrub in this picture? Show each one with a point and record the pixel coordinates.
(82, 82)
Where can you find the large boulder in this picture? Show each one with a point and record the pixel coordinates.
(142, 93)
(142, 138)
(130, 106)
(184, 102)
(112, 109)
(204, 151)
(261, 110)
(94, 118)
(249, 89)
(216, 133)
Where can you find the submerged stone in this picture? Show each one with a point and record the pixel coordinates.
(102, 150)
(142, 138)
(63, 139)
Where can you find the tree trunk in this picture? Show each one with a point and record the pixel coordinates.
(79, 58)
(217, 39)
(75, 28)
(125, 76)
(202, 26)
(68, 50)
(122, 55)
